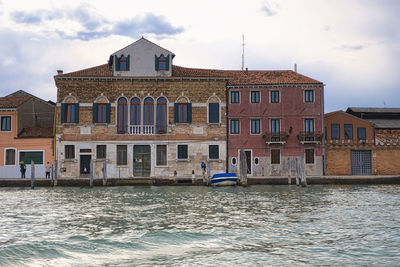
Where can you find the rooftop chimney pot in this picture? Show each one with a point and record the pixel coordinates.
(247, 69)
(59, 72)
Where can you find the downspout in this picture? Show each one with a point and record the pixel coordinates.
(54, 130)
(323, 130)
(227, 125)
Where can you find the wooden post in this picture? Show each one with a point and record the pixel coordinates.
(243, 168)
(104, 172)
(55, 173)
(32, 174)
(297, 171)
(290, 172)
(91, 173)
(303, 172)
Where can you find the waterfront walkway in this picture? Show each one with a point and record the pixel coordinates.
(373, 179)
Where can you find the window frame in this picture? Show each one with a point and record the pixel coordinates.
(307, 96)
(251, 127)
(122, 112)
(67, 154)
(338, 131)
(122, 160)
(181, 112)
(178, 152)
(278, 162)
(32, 151)
(273, 99)
(162, 115)
(209, 152)
(351, 132)
(5, 156)
(166, 155)
(257, 98)
(70, 110)
(358, 133)
(230, 127)
(101, 151)
(1, 122)
(101, 111)
(306, 156)
(238, 97)
(209, 110)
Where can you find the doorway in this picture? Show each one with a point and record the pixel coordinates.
(141, 161)
(85, 164)
(361, 163)
(248, 161)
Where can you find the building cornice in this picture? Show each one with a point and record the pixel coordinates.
(132, 79)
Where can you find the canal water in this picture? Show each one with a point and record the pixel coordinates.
(201, 226)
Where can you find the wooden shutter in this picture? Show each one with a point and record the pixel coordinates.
(108, 112)
(76, 112)
(63, 113)
(94, 112)
(155, 62)
(116, 63)
(176, 113)
(167, 63)
(127, 62)
(189, 112)
(213, 112)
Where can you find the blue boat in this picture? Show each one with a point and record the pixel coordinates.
(221, 179)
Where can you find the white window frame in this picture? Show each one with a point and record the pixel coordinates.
(232, 161)
(251, 159)
(304, 95)
(230, 96)
(259, 91)
(260, 126)
(230, 126)
(15, 157)
(270, 98)
(11, 126)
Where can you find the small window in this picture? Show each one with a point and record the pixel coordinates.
(309, 156)
(274, 96)
(335, 131)
(101, 151)
(255, 96)
(162, 62)
(183, 112)
(71, 111)
(161, 155)
(35, 156)
(182, 151)
(10, 157)
(275, 126)
(308, 96)
(361, 133)
(6, 123)
(348, 131)
(101, 113)
(256, 161)
(213, 152)
(235, 97)
(122, 63)
(234, 161)
(69, 151)
(235, 126)
(255, 126)
(213, 112)
(275, 156)
(122, 157)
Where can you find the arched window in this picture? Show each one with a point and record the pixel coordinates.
(161, 126)
(135, 111)
(122, 63)
(148, 111)
(122, 119)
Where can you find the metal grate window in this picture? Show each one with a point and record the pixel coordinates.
(361, 163)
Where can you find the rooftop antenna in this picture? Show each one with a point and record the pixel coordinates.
(242, 51)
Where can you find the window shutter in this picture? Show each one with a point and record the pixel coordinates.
(63, 113)
(189, 112)
(127, 62)
(108, 112)
(167, 62)
(94, 112)
(213, 112)
(116, 63)
(76, 112)
(176, 113)
(155, 62)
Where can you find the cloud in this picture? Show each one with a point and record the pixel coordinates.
(270, 9)
(89, 25)
(352, 47)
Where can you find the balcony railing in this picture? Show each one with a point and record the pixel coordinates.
(275, 138)
(142, 129)
(310, 137)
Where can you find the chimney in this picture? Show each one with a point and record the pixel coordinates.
(247, 69)
(59, 72)
(295, 67)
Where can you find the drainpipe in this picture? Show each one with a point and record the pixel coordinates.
(323, 130)
(227, 125)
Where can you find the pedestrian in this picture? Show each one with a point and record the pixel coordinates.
(48, 169)
(22, 168)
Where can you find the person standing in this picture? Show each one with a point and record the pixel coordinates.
(48, 169)
(22, 168)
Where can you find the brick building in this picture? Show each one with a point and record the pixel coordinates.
(141, 116)
(276, 117)
(363, 141)
(26, 134)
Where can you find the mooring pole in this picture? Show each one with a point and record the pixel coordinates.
(297, 172)
(55, 173)
(32, 174)
(104, 172)
(91, 173)
(290, 172)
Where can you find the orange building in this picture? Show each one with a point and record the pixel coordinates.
(26, 134)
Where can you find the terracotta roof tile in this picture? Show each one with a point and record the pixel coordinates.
(236, 77)
(14, 100)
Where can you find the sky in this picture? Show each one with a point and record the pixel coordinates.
(352, 46)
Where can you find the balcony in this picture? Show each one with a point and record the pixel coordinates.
(310, 137)
(275, 138)
(142, 129)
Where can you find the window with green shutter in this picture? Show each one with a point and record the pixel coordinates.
(27, 157)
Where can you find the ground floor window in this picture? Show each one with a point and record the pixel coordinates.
(101, 151)
(69, 151)
(275, 156)
(182, 152)
(213, 152)
(27, 157)
(309, 156)
(122, 155)
(10, 157)
(161, 155)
